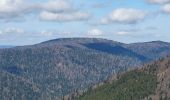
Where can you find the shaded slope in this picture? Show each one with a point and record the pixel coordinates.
(115, 50)
(152, 50)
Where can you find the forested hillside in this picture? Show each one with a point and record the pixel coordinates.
(151, 82)
(59, 67)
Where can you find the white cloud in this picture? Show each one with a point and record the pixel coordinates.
(10, 5)
(63, 17)
(61, 11)
(95, 32)
(158, 1)
(46, 33)
(10, 9)
(0, 32)
(166, 8)
(124, 15)
(12, 30)
(52, 10)
(123, 33)
(56, 6)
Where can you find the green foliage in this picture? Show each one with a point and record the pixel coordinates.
(133, 85)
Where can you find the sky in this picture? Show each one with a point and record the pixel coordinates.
(26, 22)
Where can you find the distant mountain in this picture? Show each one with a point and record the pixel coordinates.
(59, 67)
(151, 82)
(6, 46)
(151, 50)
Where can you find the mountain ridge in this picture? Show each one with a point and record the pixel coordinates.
(6, 46)
(63, 66)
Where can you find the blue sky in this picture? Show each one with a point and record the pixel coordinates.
(24, 22)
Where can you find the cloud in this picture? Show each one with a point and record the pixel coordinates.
(52, 10)
(64, 17)
(46, 33)
(95, 32)
(124, 15)
(12, 30)
(0, 32)
(61, 11)
(56, 6)
(158, 1)
(165, 5)
(123, 33)
(10, 9)
(166, 8)
(101, 5)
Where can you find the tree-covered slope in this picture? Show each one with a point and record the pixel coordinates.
(151, 82)
(63, 66)
(17, 88)
(133, 85)
(162, 70)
